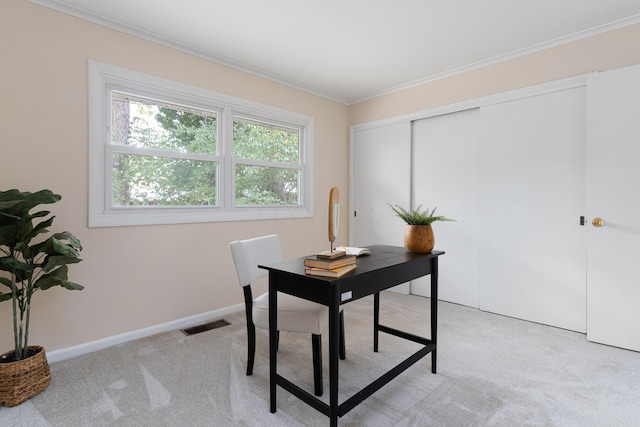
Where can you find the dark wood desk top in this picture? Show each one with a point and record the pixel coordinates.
(385, 267)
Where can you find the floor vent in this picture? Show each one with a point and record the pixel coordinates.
(205, 327)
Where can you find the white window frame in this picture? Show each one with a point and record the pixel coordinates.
(103, 78)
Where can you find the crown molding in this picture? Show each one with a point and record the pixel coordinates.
(615, 25)
(155, 38)
(137, 32)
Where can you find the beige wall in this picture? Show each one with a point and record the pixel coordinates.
(606, 51)
(134, 277)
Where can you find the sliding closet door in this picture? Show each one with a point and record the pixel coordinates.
(532, 246)
(381, 163)
(381, 174)
(446, 172)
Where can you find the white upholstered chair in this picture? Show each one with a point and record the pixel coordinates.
(294, 314)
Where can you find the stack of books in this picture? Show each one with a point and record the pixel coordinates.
(336, 266)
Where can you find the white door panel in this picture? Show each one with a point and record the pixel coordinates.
(382, 174)
(613, 181)
(446, 170)
(532, 246)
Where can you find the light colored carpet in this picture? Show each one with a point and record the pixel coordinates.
(492, 371)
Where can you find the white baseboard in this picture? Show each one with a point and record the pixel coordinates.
(90, 347)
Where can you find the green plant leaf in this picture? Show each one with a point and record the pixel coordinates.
(41, 226)
(46, 282)
(417, 216)
(8, 233)
(14, 200)
(10, 198)
(8, 215)
(6, 263)
(70, 238)
(57, 277)
(64, 249)
(71, 285)
(6, 281)
(53, 262)
(54, 278)
(11, 264)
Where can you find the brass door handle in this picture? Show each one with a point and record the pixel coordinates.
(597, 222)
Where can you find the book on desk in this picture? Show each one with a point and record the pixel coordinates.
(351, 250)
(329, 264)
(334, 272)
(334, 265)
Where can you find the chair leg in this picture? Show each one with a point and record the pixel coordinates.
(251, 335)
(251, 329)
(316, 341)
(342, 348)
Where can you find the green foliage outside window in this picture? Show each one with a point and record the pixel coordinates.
(140, 180)
(158, 180)
(264, 185)
(160, 175)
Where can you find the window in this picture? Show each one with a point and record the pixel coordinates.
(163, 152)
(267, 167)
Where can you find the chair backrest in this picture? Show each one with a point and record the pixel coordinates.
(247, 254)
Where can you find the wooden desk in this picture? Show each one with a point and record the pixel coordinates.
(387, 266)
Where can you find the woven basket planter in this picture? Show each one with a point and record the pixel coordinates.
(23, 379)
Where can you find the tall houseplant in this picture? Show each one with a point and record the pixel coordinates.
(418, 235)
(29, 262)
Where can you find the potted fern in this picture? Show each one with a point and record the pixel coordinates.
(29, 262)
(418, 235)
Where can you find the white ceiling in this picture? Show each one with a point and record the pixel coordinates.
(351, 50)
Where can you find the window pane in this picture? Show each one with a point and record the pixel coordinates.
(263, 141)
(150, 124)
(162, 181)
(260, 186)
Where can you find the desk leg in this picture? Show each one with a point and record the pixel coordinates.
(376, 320)
(334, 345)
(273, 338)
(434, 311)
